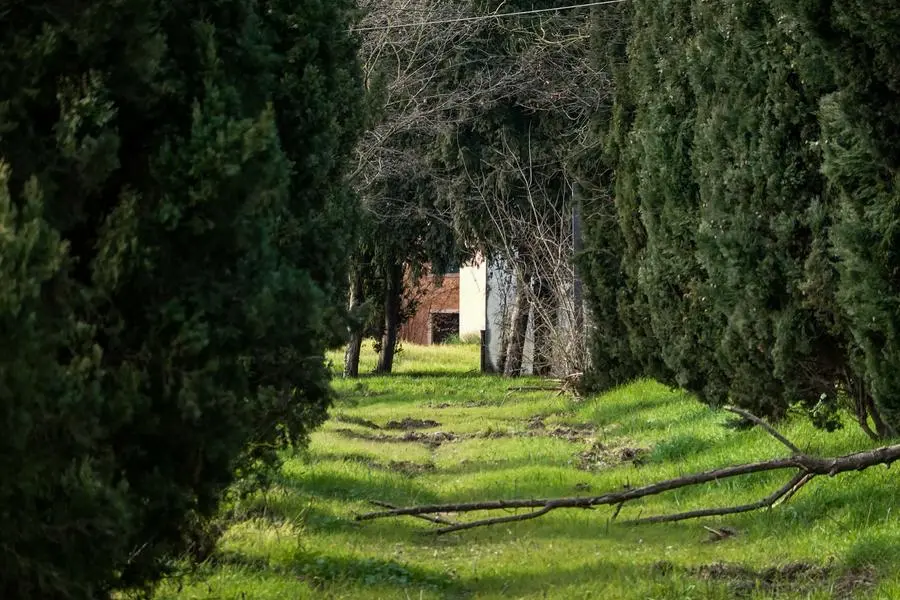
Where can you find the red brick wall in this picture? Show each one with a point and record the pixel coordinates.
(432, 299)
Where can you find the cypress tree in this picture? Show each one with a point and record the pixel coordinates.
(672, 328)
(171, 197)
(860, 124)
(757, 171)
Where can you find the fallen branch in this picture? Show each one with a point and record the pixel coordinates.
(769, 429)
(429, 518)
(807, 467)
(534, 388)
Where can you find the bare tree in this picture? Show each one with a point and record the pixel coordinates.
(430, 81)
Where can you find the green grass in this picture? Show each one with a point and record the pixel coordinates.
(836, 539)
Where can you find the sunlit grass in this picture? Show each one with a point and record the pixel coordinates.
(299, 539)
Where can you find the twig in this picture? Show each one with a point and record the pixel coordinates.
(771, 430)
(806, 479)
(716, 512)
(494, 521)
(429, 518)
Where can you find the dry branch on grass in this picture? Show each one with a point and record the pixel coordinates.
(806, 467)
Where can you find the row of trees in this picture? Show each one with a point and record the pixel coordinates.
(747, 246)
(172, 246)
(732, 164)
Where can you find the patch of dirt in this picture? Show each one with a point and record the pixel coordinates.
(410, 423)
(356, 421)
(404, 467)
(361, 435)
(432, 439)
(578, 432)
(604, 455)
(535, 426)
(410, 468)
(575, 433)
(717, 534)
(439, 405)
(791, 577)
(854, 581)
(535, 422)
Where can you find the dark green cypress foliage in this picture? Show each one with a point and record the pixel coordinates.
(170, 246)
(861, 160)
(757, 173)
(605, 198)
(755, 155)
(668, 316)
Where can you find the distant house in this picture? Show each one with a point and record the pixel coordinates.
(448, 304)
(477, 301)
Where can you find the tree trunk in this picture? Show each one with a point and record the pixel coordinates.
(354, 345)
(882, 429)
(518, 327)
(578, 247)
(392, 297)
(544, 325)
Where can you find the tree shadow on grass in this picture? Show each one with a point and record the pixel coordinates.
(643, 414)
(597, 575)
(381, 486)
(320, 570)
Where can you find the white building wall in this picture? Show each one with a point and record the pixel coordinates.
(472, 290)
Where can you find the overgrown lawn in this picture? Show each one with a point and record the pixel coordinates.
(460, 436)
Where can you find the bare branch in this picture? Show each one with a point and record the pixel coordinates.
(716, 512)
(429, 518)
(494, 521)
(771, 430)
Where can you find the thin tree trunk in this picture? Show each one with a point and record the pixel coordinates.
(354, 345)
(578, 246)
(543, 328)
(392, 297)
(516, 348)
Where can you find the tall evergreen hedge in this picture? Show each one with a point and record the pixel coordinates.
(753, 154)
(171, 200)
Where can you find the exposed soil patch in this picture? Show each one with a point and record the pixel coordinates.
(604, 455)
(404, 467)
(438, 405)
(432, 438)
(535, 423)
(855, 582)
(577, 432)
(409, 423)
(792, 577)
(356, 421)
(571, 433)
(409, 468)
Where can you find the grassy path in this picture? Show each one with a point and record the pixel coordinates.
(436, 431)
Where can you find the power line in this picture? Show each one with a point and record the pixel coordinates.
(484, 17)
